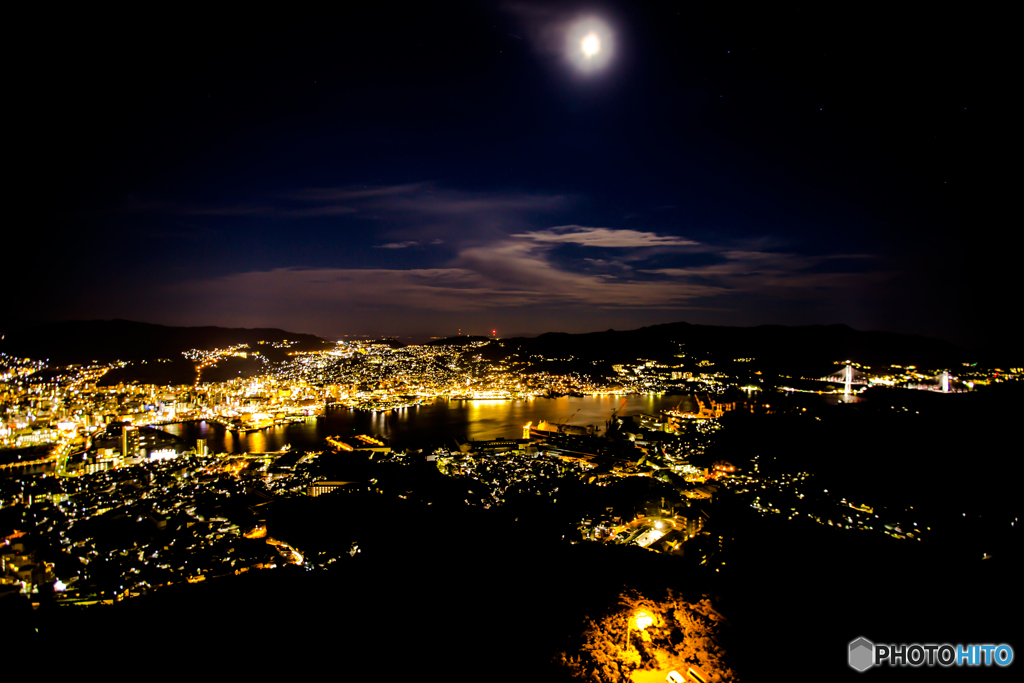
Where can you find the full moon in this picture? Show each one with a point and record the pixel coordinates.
(589, 44)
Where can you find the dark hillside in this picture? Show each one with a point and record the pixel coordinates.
(107, 340)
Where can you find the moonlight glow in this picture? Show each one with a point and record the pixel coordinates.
(589, 44)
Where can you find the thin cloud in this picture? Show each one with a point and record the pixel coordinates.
(513, 277)
(414, 212)
(497, 258)
(450, 202)
(426, 198)
(398, 245)
(502, 275)
(757, 271)
(353, 192)
(317, 211)
(135, 205)
(605, 237)
(408, 243)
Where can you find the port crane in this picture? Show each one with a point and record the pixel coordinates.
(611, 424)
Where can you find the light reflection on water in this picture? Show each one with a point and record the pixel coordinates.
(437, 423)
(429, 424)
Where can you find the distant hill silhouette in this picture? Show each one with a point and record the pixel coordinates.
(106, 340)
(776, 345)
(456, 341)
(390, 342)
(773, 346)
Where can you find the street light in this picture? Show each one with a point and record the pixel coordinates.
(642, 620)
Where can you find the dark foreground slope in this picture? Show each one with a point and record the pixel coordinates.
(459, 593)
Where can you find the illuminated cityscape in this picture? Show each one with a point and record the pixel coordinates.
(509, 340)
(107, 500)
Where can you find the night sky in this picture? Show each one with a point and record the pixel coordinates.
(417, 170)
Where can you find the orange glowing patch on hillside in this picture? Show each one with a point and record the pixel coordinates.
(257, 532)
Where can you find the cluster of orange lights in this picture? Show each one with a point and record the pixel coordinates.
(642, 620)
(257, 532)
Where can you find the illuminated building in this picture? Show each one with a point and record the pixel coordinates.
(545, 428)
(706, 410)
(359, 442)
(129, 441)
(495, 446)
(321, 487)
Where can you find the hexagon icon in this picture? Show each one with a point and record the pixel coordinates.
(862, 654)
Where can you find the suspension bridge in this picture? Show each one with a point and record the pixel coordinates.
(851, 376)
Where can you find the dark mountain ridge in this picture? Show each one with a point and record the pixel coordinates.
(809, 345)
(83, 341)
(775, 346)
(457, 341)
